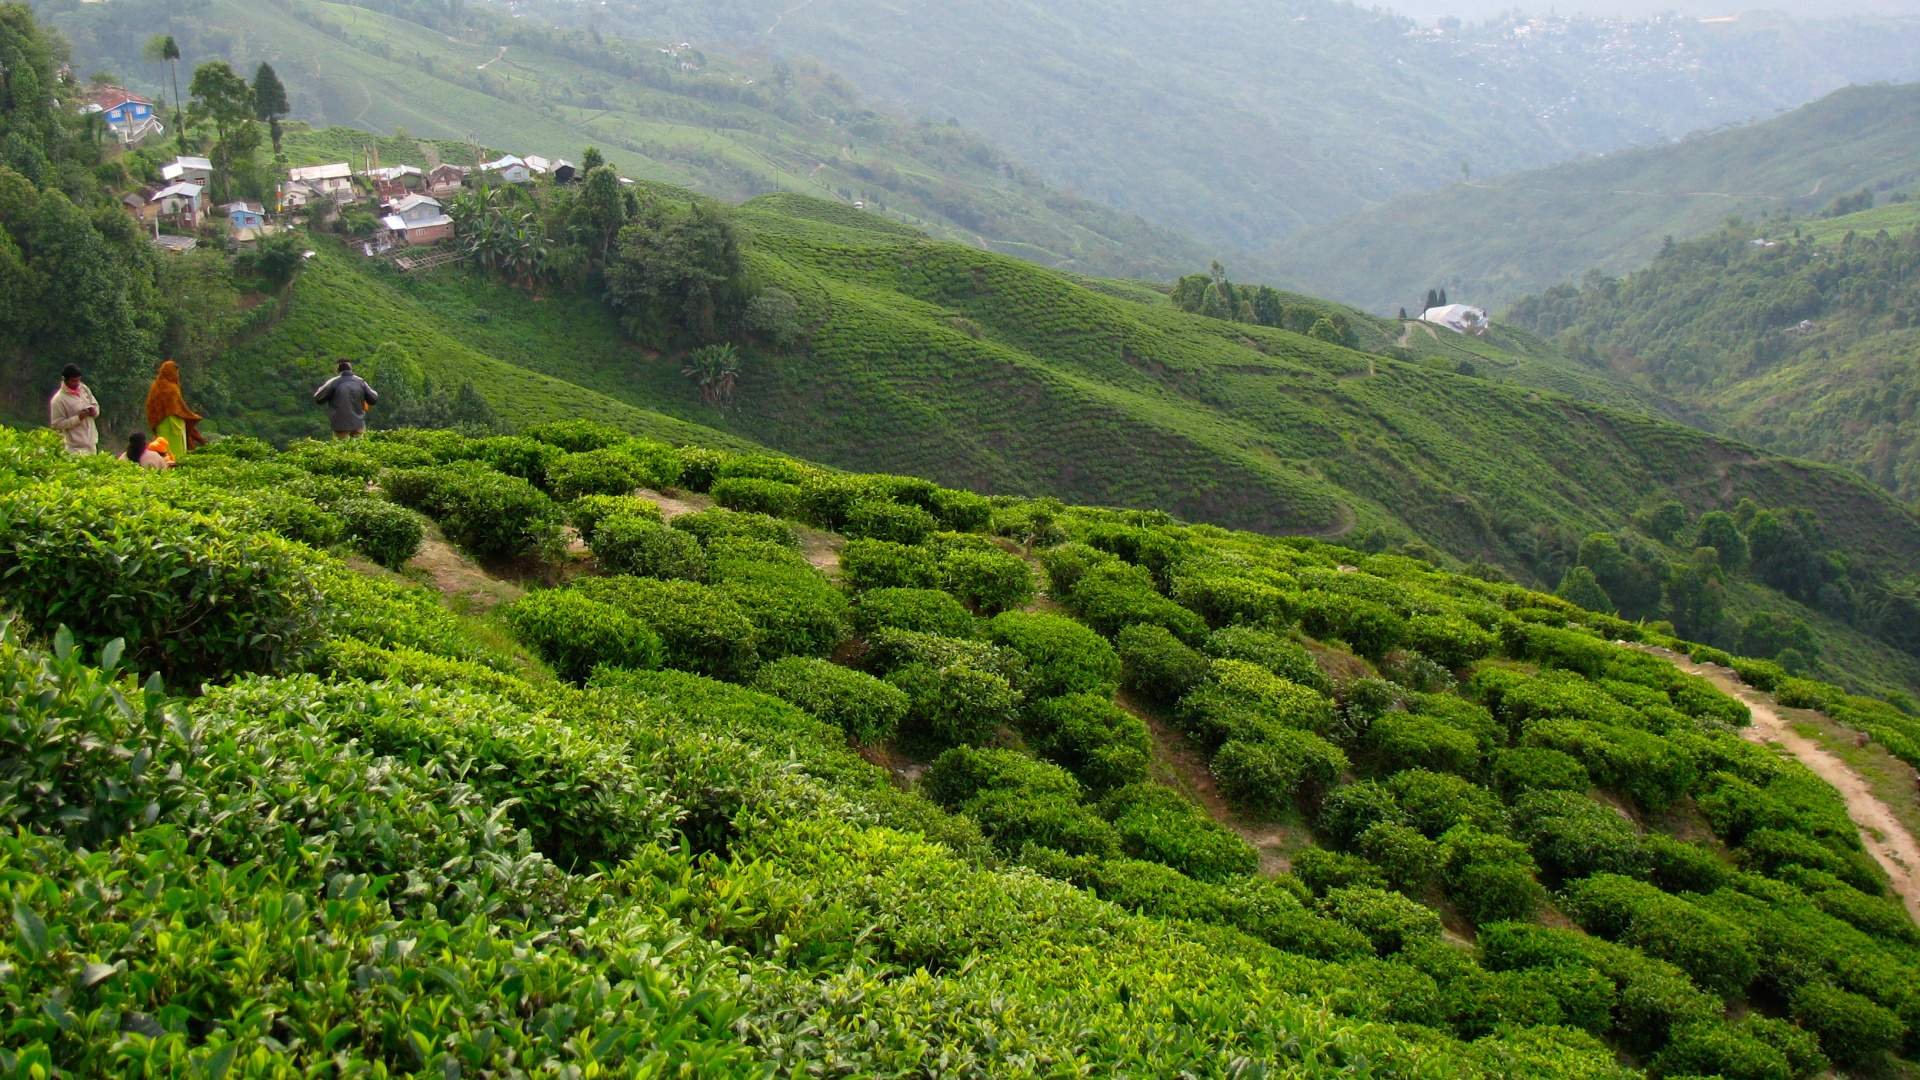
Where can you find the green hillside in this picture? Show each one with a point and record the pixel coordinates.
(1493, 241)
(1803, 337)
(1240, 122)
(1212, 797)
(730, 130)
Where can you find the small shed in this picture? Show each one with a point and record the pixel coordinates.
(333, 181)
(192, 170)
(180, 201)
(417, 220)
(245, 220)
(508, 169)
(445, 180)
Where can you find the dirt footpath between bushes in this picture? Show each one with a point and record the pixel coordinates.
(1888, 841)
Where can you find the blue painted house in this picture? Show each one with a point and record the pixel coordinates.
(245, 220)
(129, 116)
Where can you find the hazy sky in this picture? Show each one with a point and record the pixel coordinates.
(1425, 9)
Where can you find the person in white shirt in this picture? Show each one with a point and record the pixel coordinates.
(72, 413)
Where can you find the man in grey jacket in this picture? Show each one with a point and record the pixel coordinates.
(347, 398)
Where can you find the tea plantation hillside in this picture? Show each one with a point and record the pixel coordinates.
(1492, 242)
(729, 127)
(987, 372)
(272, 808)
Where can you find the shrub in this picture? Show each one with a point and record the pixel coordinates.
(577, 435)
(1323, 870)
(1573, 836)
(1435, 802)
(926, 611)
(960, 511)
(1063, 657)
(515, 455)
(1271, 773)
(195, 597)
(490, 514)
(593, 472)
(709, 525)
(1018, 801)
(1157, 665)
(630, 543)
(1114, 596)
(754, 495)
(700, 630)
(1409, 860)
(957, 704)
(1287, 659)
(1651, 770)
(889, 650)
(1351, 809)
(1390, 921)
(660, 465)
(1535, 768)
(700, 466)
(1067, 564)
(1241, 699)
(869, 710)
(1371, 629)
(873, 519)
(1488, 877)
(798, 611)
(1450, 640)
(1852, 1029)
(1102, 744)
(586, 512)
(574, 634)
(882, 564)
(1405, 741)
(1228, 601)
(1714, 951)
(1677, 866)
(383, 532)
(1160, 825)
(989, 581)
(1714, 1049)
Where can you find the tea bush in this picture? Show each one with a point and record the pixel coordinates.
(195, 597)
(491, 515)
(796, 609)
(867, 709)
(605, 471)
(386, 533)
(1407, 741)
(710, 525)
(882, 564)
(1240, 698)
(625, 542)
(1287, 659)
(1269, 774)
(1101, 744)
(956, 704)
(1852, 1029)
(1229, 601)
(1351, 809)
(515, 455)
(699, 628)
(1435, 802)
(873, 519)
(1018, 801)
(574, 633)
(1157, 665)
(586, 512)
(1534, 768)
(1160, 825)
(1390, 921)
(989, 581)
(771, 497)
(927, 611)
(576, 436)
(1063, 657)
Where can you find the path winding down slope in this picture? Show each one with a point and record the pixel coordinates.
(1886, 839)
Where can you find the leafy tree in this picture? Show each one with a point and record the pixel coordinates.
(1662, 518)
(1433, 299)
(1214, 303)
(1767, 634)
(1633, 582)
(677, 271)
(1267, 307)
(599, 211)
(1323, 329)
(1579, 586)
(1785, 549)
(269, 101)
(224, 98)
(1718, 530)
(1189, 291)
(1696, 597)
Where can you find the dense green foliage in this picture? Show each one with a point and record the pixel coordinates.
(688, 796)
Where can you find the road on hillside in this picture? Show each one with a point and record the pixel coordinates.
(1886, 839)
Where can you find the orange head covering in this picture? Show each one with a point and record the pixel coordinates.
(163, 398)
(158, 446)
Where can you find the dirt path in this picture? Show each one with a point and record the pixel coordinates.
(495, 60)
(458, 578)
(822, 549)
(1180, 765)
(672, 506)
(1888, 841)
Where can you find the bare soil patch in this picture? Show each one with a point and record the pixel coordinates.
(462, 581)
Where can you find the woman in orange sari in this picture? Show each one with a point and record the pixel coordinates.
(167, 414)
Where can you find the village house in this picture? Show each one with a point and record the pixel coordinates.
(129, 116)
(418, 219)
(333, 181)
(508, 170)
(445, 180)
(394, 181)
(246, 220)
(141, 204)
(192, 170)
(180, 203)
